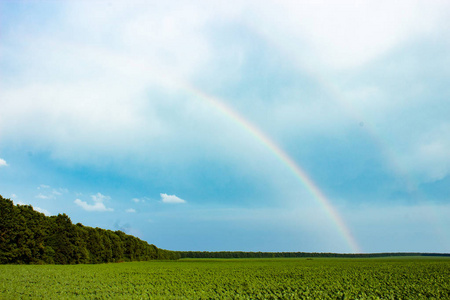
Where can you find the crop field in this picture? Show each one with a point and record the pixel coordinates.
(295, 278)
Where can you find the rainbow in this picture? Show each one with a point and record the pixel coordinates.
(263, 139)
(285, 159)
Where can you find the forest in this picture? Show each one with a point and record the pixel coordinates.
(30, 237)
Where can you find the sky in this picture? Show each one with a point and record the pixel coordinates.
(313, 126)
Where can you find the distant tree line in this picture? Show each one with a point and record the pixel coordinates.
(30, 237)
(242, 254)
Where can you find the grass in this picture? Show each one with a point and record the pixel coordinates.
(288, 278)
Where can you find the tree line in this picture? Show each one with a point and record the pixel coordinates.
(30, 237)
(243, 254)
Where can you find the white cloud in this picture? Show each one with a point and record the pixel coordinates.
(98, 206)
(53, 194)
(139, 200)
(3, 163)
(130, 210)
(57, 193)
(346, 33)
(100, 198)
(122, 52)
(170, 36)
(171, 199)
(82, 84)
(98, 203)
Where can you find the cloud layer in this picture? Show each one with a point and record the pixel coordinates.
(123, 71)
(130, 99)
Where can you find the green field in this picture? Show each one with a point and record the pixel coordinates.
(295, 278)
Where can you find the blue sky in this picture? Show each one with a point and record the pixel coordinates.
(113, 112)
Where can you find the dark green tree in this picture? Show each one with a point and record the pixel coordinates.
(27, 236)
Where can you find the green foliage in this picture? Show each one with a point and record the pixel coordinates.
(281, 278)
(29, 237)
